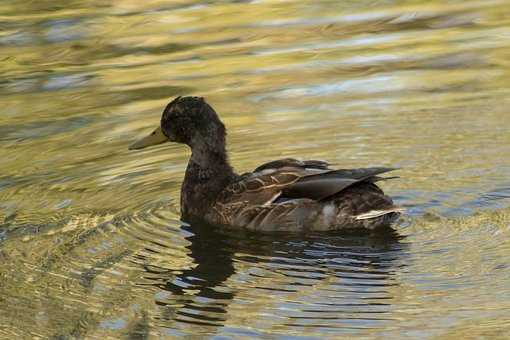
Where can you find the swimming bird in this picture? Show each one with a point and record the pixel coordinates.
(287, 195)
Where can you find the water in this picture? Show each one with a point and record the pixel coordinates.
(90, 238)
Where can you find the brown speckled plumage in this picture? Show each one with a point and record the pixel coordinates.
(283, 195)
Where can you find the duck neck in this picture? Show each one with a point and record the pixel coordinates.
(207, 174)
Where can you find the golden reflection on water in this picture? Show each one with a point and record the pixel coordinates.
(89, 232)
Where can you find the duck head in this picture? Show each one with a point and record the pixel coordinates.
(187, 120)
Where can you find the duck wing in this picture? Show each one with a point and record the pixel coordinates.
(289, 178)
(320, 186)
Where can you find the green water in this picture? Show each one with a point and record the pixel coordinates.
(90, 240)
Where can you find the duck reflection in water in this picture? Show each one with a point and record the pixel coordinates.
(330, 277)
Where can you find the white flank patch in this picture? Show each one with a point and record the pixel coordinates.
(377, 213)
(329, 213)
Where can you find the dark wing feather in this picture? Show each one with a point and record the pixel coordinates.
(362, 173)
(321, 186)
(317, 188)
(293, 163)
(316, 164)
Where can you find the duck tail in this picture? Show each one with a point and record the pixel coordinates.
(377, 213)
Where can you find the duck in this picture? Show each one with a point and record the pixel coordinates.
(284, 195)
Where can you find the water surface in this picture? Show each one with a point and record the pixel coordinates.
(90, 238)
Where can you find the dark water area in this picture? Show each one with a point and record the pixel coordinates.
(91, 244)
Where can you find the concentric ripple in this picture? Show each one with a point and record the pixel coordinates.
(147, 274)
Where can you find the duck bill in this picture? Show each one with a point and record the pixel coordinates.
(156, 137)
